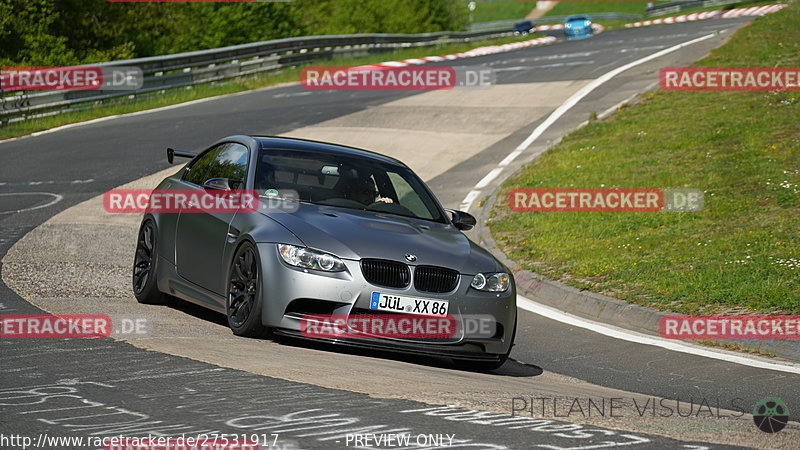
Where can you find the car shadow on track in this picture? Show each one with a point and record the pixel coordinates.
(512, 367)
(199, 312)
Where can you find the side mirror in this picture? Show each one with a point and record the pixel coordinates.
(172, 153)
(462, 220)
(220, 184)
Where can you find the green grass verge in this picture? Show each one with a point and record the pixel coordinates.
(741, 253)
(501, 10)
(616, 24)
(568, 8)
(182, 95)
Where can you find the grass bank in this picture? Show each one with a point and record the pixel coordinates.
(616, 24)
(501, 10)
(741, 253)
(628, 7)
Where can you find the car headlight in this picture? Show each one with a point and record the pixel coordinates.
(491, 282)
(305, 258)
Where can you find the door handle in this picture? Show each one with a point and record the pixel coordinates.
(233, 234)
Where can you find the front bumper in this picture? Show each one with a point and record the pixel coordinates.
(290, 293)
(585, 31)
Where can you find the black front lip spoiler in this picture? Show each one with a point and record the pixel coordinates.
(399, 347)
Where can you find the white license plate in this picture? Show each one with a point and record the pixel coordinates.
(407, 305)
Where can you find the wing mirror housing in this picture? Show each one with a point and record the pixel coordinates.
(464, 221)
(172, 153)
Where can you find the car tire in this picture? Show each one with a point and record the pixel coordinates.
(145, 265)
(487, 366)
(243, 295)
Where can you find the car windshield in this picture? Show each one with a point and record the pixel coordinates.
(346, 182)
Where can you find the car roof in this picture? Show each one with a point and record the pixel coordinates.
(287, 143)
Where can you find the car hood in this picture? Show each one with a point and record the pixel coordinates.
(355, 234)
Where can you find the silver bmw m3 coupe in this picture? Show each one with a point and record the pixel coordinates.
(330, 232)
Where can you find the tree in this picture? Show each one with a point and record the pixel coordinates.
(69, 32)
(26, 36)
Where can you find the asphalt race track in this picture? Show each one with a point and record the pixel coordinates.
(191, 376)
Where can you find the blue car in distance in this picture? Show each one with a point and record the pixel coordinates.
(578, 26)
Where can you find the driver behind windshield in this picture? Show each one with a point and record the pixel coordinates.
(363, 190)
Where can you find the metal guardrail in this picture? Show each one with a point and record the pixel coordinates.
(500, 24)
(206, 66)
(673, 7)
(550, 20)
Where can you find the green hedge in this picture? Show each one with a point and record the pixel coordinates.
(64, 32)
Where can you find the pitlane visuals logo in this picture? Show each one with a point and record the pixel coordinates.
(771, 414)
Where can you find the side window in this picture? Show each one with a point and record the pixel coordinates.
(231, 163)
(408, 197)
(196, 173)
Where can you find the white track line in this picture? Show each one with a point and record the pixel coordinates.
(639, 338)
(56, 198)
(466, 204)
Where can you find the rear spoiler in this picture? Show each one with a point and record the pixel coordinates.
(172, 153)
